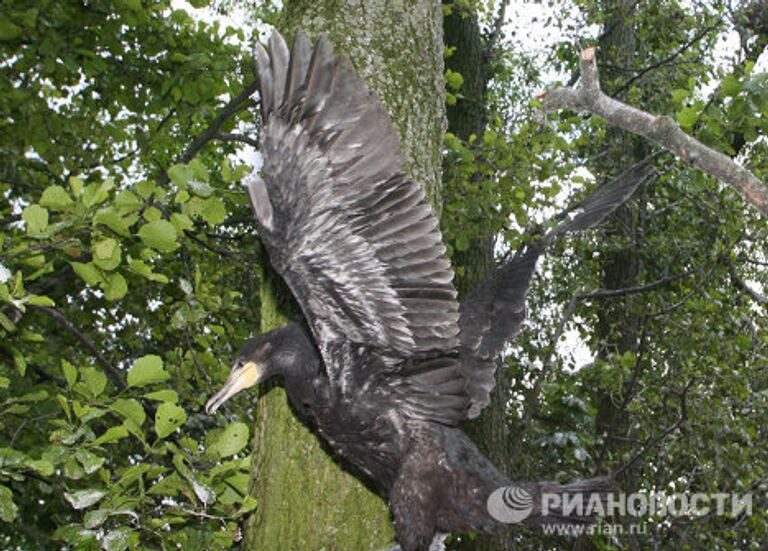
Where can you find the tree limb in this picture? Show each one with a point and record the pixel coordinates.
(229, 137)
(606, 293)
(111, 371)
(495, 33)
(213, 128)
(588, 97)
(704, 32)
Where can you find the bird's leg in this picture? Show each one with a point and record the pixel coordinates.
(412, 503)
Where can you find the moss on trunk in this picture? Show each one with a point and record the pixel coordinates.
(306, 501)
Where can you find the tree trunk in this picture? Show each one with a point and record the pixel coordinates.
(467, 117)
(305, 500)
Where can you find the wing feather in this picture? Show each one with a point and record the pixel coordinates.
(493, 314)
(352, 235)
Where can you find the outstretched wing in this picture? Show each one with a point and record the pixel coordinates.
(352, 235)
(492, 314)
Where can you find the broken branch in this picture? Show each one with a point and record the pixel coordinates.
(588, 97)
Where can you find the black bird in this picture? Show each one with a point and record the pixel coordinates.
(391, 363)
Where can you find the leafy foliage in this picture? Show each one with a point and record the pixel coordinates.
(115, 309)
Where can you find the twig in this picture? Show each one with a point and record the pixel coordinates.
(588, 97)
(217, 250)
(498, 25)
(606, 293)
(704, 32)
(213, 128)
(654, 441)
(27, 421)
(230, 137)
(112, 372)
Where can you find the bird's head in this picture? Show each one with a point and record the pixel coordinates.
(252, 366)
(286, 351)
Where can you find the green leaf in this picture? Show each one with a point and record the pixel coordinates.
(76, 185)
(40, 300)
(111, 436)
(87, 272)
(163, 396)
(55, 198)
(687, 117)
(168, 418)
(118, 539)
(114, 221)
(147, 370)
(8, 509)
(94, 380)
(90, 461)
(200, 189)
(36, 218)
(731, 86)
(211, 210)
(168, 486)
(160, 235)
(106, 254)
(70, 373)
(453, 80)
(82, 499)
(231, 440)
(45, 468)
(130, 409)
(8, 31)
(180, 175)
(127, 201)
(181, 222)
(97, 193)
(115, 287)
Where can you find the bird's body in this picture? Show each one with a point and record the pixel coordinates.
(389, 363)
(424, 467)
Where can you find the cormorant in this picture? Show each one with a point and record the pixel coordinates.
(391, 363)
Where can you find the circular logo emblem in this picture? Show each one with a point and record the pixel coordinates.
(510, 504)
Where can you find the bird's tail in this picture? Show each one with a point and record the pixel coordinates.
(546, 504)
(578, 503)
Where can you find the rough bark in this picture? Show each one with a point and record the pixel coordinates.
(467, 117)
(617, 322)
(306, 501)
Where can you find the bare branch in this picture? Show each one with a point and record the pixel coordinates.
(112, 372)
(607, 293)
(588, 97)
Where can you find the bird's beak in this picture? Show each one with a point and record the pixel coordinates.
(242, 377)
